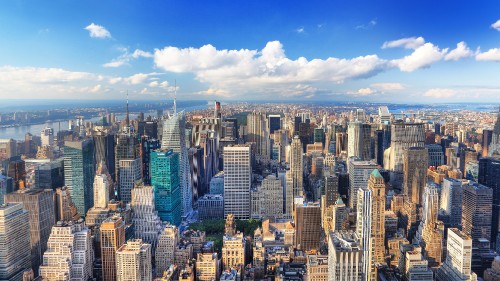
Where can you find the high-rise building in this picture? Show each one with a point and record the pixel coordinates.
(384, 115)
(133, 261)
(147, 146)
(451, 201)
(417, 268)
(234, 252)
(258, 133)
(47, 136)
(40, 205)
(331, 189)
(317, 268)
(237, 180)
(489, 175)
(364, 226)
(167, 243)
(125, 149)
(415, 173)
(130, 171)
(15, 256)
(457, 266)
(345, 256)
(79, 170)
(69, 254)
(211, 206)
(487, 135)
(274, 123)
(165, 180)
(112, 238)
(436, 155)
(267, 199)
(207, 267)
(307, 226)
(65, 209)
(476, 212)
(430, 234)
(494, 148)
(376, 185)
(147, 223)
(296, 167)
(493, 273)
(174, 137)
(359, 140)
(105, 150)
(359, 173)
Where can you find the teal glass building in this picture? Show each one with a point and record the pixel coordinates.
(165, 180)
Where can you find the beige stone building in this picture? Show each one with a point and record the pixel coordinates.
(133, 262)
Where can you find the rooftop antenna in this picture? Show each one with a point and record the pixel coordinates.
(175, 96)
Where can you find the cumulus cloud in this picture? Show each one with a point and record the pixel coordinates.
(388, 86)
(269, 67)
(140, 53)
(365, 91)
(496, 25)
(422, 57)
(126, 57)
(460, 52)
(114, 64)
(300, 30)
(440, 93)
(490, 55)
(407, 43)
(98, 31)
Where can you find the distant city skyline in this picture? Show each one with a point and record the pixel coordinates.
(387, 51)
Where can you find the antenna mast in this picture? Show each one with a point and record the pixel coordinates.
(175, 96)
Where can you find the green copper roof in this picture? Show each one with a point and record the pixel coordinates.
(339, 201)
(376, 173)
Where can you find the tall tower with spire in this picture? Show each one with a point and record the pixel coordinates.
(494, 149)
(126, 123)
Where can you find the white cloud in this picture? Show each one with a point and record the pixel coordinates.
(462, 51)
(114, 64)
(407, 43)
(388, 86)
(98, 31)
(440, 93)
(369, 25)
(126, 57)
(490, 55)
(365, 91)
(140, 53)
(300, 30)
(251, 70)
(496, 25)
(422, 57)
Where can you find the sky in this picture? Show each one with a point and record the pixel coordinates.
(317, 50)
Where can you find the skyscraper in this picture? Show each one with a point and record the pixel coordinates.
(69, 254)
(376, 184)
(258, 133)
(359, 173)
(40, 205)
(345, 256)
(105, 150)
(307, 226)
(296, 167)
(15, 256)
(267, 199)
(364, 227)
(415, 173)
(451, 201)
(476, 212)
(112, 237)
(133, 261)
(489, 175)
(457, 266)
(174, 137)
(430, 234)
(274, 123)
(130, 171)
(359, 140)
(147, 146)
(79, 170)
(167, 243)
(166, 183)
(237, 180)
(494, 148)
(125, 149)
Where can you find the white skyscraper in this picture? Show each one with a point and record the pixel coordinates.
(102, 185)
(358, 140)
(384, 115)
(130, 172)
(166, 247)
(258, 133)
(364, 226)
(147, 223)
(174, 137)
(237, 181)
(457, 266)
(69, 254)
(345, 257)
(47, 136)
(359, 173)
(133, 262)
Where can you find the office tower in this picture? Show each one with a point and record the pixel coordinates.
(167, 243)
(15, 168)
(105, 150)
(69, 254)
(340, 143)
(147, 223)
(384, 115)
(5, 183)
(305, 134)
(331, 183)
(130, 171)
(416, 267)
(414, 173)
(174, 137)
(125, 149)
(487, 135)
(40, 205)
(274, 123)
(15, 256)
(211, 206)
(429, 233)
(494, 148)
(457, 266)
(64, 206)
(364, 226)
(148, 128)
(217, 183)
(258, 133)
(197, 172)
(47, 136)
(237, 180)
(436, 155)
(133, 261)
(359, 140)
(476, 212)
(49, 174)
(307, 226)
(376, 185)
(489, 175)
(267, 199)
(451, 201)
(345, 256)
(79, 169)
(233, 251)
(112, 238)
(166, 183)
(147, 146)
(207, 267)
(403, 136)
(359, 173)
(296, 167)
(319, 135)
(472, 171)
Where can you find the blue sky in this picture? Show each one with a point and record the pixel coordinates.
(382, 51)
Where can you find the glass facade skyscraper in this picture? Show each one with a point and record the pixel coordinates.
(166, 183)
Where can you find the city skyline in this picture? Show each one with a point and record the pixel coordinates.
(376, 52)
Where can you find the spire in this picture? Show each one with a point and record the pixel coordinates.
(175, 96)
(127, 120)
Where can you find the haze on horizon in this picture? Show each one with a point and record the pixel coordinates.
(388, 51)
